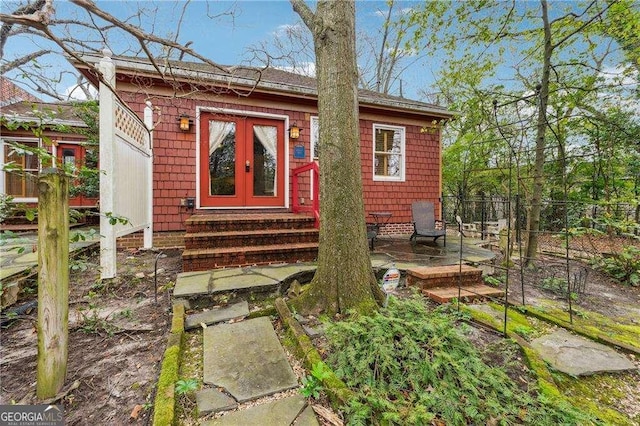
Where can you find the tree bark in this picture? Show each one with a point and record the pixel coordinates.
(344, 279)
(541, 125)
(53, 282)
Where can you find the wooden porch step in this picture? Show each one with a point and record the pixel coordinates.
(467, 293)
(427, 277)
(212, 258)
(204, 240)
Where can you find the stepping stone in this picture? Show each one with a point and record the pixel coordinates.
(192, 283)
(579, 356)
(215, 315)
(212, 400)
(239, 279)
(307, 418)
(282, 412)
(246, 359)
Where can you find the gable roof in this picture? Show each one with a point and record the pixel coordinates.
(11, 94)
(251, 78)
(51, 113)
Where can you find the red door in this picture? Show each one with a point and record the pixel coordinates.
(83, 191)
(241, 161)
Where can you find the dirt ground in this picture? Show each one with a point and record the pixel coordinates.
(118, 334)
(116, 341)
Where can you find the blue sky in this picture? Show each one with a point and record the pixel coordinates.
(224, 39)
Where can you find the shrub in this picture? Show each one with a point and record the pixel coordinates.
(623, 266)
(411, 366)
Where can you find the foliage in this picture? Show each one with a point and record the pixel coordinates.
(6, 206)
(412, 366)
(92, 321)
(624, 266)
(187, 386)
(312, 385)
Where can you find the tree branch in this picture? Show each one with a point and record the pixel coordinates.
(21, 61)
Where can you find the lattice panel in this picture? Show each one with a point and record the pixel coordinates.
(131, 126)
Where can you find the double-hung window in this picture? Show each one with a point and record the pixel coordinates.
(21, 166)
(388, 153)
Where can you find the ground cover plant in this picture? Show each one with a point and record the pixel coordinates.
(409, 365)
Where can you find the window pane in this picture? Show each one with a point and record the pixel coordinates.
(222, 158)
(22, 182)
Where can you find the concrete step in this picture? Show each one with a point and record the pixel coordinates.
(212, 258)
(466, 293)
(204, 240)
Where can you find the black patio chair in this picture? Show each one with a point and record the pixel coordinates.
(424, 222)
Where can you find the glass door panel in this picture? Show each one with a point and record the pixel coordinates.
(222, 158)
(265, 153)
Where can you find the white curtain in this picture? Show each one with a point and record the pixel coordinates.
(218, 130)
(267, 135)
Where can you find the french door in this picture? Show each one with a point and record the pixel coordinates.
(241, 161)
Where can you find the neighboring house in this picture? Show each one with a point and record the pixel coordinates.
(52, 126)
(234, 152)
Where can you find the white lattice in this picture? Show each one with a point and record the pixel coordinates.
(131, 126)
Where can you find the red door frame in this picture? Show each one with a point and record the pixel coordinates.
(244, 152)
(79, 154)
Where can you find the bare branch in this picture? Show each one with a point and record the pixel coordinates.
(21, 61)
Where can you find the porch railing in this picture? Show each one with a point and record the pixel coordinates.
(314, 207)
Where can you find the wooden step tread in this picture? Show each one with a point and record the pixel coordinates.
(426, 272)
(248, 249)
(446, 294)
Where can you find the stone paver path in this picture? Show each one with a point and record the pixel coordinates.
(570, 353)
(246, 359)
(216, 315)
(283, 412)
(579, 356)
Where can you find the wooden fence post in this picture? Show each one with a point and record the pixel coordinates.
(53, 281)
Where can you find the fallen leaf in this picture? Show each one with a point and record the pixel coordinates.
(135, 412)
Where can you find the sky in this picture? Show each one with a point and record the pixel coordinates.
(225, 39)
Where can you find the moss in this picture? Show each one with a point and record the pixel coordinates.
(597, 394)
(594, 326)
(264, 312)
(164, 407)
(177, 321)
(335, 388)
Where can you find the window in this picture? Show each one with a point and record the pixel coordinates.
(388, 152)
(315, 138)
(21, 169)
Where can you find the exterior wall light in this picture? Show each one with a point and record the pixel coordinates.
(185, 122)
(294, 131)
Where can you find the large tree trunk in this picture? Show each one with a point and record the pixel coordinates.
(538, 178)
(344, 279)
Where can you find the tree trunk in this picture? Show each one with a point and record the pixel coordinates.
(53, 282)
(344, 279)
(538, 177)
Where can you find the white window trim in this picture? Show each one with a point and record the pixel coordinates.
(403, 158)
(312, 147)
(3, 143)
